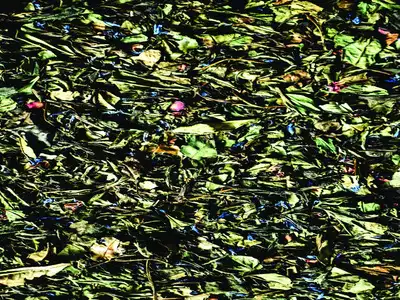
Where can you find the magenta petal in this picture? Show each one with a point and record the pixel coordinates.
(383, 31)
(35, 105)
(177, 106)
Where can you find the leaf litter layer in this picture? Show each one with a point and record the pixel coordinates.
(200, 150)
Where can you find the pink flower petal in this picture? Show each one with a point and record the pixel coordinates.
(35, 105)
(335, 87)
(177, 106)
(383, 31)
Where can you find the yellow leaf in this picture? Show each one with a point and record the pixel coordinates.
(107, 250)
(25, 149)
(61, 95)
(16, 277)
(39, 255)
(149, 57)
(104, 103)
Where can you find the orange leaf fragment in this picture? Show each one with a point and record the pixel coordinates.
(173, 150)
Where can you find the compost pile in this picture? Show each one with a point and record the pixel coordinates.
(200, 149)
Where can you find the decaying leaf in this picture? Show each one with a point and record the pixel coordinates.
(108, 249)
(149, 57)
(39, 255)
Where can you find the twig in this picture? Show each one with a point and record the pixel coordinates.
(153, 288)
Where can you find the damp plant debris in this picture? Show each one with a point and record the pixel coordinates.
(200, 149)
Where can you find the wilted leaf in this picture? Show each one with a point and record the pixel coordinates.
(275, 281)
(375, 227)
(384, 106)
(16, 277)
(25, 148)
(108, 249)
(195, 129)
(40, 255)
(148, 185)
(175, 223)
(7, 104)
(361, 286)
(63, 95)
(336, 108)
(212, 127)
(245, 263)
(149, 57)
(364, 90)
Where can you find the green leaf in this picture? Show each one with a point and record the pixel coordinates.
(361, 286)
(202, 129)
(396, 159)
(369, 11)
(275, 281)
(167, 9)
(206, 245)
(362, 53)
(342, 40)
(46, 54)
(383, 106)
(374, 227)
(26, 149)
(175, 223)
(368, 207)
(148, 185)
(7, 92)
(364, 90)
(72, 250)
(13, 215)
(325, 146)
(302, 101)
(246, 263)
(198, 150)
(134, 39)
(395, 182)
(337, 108)
(211, 186)
(186, 43)
(7, 104)
(28, 88)
(240, 41)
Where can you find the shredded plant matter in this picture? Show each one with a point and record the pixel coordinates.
(200, 149)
